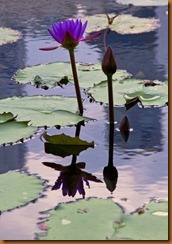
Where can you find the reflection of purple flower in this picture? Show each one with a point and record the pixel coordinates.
(69, 33)
(72, 178)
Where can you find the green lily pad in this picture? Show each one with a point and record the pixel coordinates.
(149, 93)
(63, 145)
(82, 220)
(18, 189)
(6, 117)
(123, 24)
(143, 3)
(43, 111)
(13, 131)
(151, 223)
(8, 35)
(50, 75)
(102, 219)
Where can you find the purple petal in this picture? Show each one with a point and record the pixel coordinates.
(87, 183)
(80, 187)
(74, 191)
(56, 32)
(77, 32)
(48, 48)
(53, 35)
(57, 184)
(83, 28)
(91, 37)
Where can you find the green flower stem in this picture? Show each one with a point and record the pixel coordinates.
(76, 82)
(110, 96)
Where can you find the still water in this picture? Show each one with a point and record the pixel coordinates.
(142, 162)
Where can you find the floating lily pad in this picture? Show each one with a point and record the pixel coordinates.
(43, 111)
(143, 3)
(123, 24)
(149, 93)
(50, 75)
(82, 220)
(102, 219)
(12, 130)
(18, 189)
(6, 117)
(8, 35)
(149, 223)
(63, 145)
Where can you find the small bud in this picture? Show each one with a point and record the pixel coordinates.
(109, 66)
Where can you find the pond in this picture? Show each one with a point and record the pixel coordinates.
(141, 162)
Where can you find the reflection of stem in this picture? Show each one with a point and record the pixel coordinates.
(111, 141)
(76, 82)
(74, 158)
(110, 96)
(104, 37)
(78, 129)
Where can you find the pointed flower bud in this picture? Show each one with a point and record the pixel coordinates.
(109, 66)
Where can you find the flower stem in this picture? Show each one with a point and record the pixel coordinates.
(76, 82)
(110, 96)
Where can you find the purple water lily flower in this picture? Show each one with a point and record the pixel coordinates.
(69, 33)
(72, 178)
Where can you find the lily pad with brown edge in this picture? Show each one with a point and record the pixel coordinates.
(63, 145)
(43, 111)
(8, 35)
(12, 131)
(108, 219)
(122, 24)
(155, 94)
(144, 3)
(18, 189)
(53, 74)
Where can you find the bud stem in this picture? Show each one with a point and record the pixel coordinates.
(76, 82)
(110, 96)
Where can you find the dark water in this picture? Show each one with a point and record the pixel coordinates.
(142, 162)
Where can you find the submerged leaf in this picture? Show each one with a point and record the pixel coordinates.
(43, 111)
(123, 24)
(63, 145)
(8, 35)
(18, 189)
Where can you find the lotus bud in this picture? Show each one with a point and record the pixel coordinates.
(109, 66)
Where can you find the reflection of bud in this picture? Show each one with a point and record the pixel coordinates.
(109, 64)
(110, 174)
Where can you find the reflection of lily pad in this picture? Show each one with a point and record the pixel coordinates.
(12, 130)
(143, 3)
(43, 111)
(123, 24)
(8, 35)
(63, 145)
(17, 189)
(79, 220)
(154, 94)
(51, 74)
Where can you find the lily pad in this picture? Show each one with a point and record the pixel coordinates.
(63, 145)
(13, 131)
(52, 74)
(43, 111)
(18, 189)
(149, 93)
(143, 3)
(122, 24)
(82, 220)
(8, 35)
(102, 219)
(6, 117)
(151, 223)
